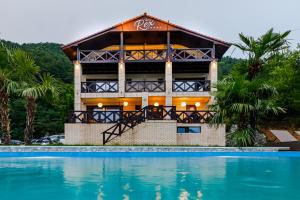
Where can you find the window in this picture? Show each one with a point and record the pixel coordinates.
(189, 129)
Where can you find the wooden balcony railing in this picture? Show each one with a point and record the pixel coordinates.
(151, 55)
(199, 116)
(149, 113)
(145, 86)
(145, 55)
(99, 86)
(94, 116)
(99, 56)
(195, 54)
(191, 86)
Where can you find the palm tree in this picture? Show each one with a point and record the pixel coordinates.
(7, 87)
(245, 104)
(33, 86)
(261, 49)
(45, 87)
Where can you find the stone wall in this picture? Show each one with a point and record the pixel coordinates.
(152, 132)
(209, 136)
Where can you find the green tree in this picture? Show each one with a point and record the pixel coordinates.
(244, 104)
(260, 50)
(33, 91)
(7, 87)
(244, 98)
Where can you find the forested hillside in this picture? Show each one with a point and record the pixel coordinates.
(50, 116)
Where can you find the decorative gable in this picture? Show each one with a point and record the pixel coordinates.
(145, 23)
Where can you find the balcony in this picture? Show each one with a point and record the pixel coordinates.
(191, 86)
(150, 113)
(145, 55)
(145, 86)
(153, 55)
(99, 86)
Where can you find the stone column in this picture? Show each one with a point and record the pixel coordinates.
(169, 83)
(121, 78)
(144, 99)
(213, 76)
(77, 85)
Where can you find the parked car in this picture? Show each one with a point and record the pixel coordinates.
(16, 142)
(45, 142)
(57, 139)
(36, 141)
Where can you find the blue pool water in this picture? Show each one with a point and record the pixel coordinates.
(233, 177)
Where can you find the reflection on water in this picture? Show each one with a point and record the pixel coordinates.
(149, 178)
(127, 178)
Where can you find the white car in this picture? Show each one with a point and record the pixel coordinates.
(57, 139)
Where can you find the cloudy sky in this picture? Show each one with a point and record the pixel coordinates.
(64, 21)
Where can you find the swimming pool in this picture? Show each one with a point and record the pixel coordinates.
(209, 176)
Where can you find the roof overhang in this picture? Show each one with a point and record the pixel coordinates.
(144, 23)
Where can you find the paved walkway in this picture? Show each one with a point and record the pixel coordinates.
(136, 149)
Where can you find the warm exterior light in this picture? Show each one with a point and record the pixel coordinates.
(183, 104)
(197, 104)
(169, 64)
(125, 103)
(100, 105)
(156, 104)
(121, 65)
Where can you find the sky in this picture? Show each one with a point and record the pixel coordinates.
(63, 21)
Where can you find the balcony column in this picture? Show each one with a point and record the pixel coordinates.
(77, 86)
(144, 99)
(213, 75)
(121, 78)
(168, 83)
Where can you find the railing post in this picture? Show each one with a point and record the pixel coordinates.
(213, 52)
(121, 46)
(168, 47)
(103, 138)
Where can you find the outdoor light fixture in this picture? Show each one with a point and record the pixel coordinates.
(100, 105)
(156, 104)
(125, 103)
(183, 104)
(197, 104)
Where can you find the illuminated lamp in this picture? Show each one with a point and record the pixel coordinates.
(100, 105)
(183, 104)
(197, 104)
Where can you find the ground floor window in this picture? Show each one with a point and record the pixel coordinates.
(189, 129)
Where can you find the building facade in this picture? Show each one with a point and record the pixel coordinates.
(144, 81)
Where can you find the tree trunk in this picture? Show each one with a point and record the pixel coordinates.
(30, 113)
(253, 70)
(4, 112)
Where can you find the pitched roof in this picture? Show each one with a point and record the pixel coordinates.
(164, 25)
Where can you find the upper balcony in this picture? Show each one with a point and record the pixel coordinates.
(145, 86)
(150, 55)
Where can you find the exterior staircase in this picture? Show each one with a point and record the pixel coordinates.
(131, 119)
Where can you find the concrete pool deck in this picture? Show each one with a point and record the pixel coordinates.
(12, 149)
